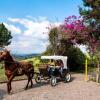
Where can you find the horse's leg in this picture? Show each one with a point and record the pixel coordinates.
(9, 88)
(30, 76)
(31, 83)
(27, 83)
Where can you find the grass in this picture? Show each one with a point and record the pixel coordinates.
(32, 61)
(2, 75)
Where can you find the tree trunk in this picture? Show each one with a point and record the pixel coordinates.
(98, 72)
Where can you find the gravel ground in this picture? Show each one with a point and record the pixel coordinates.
(77, 89)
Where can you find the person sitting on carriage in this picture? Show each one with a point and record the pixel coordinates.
(51, 64)
(59, 66)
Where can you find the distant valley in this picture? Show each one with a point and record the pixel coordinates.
(24, 56)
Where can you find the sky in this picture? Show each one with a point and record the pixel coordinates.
(28, 21)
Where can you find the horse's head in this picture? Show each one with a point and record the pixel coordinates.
(4, 55)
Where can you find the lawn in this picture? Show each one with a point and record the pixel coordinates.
(2, 75)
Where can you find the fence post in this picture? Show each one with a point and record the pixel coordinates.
(86, 70)
(86, 66)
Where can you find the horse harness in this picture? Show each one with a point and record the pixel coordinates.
(19, 70)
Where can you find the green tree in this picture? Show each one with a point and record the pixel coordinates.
(76, 59)
(97, 61)
(63, 47)
(5, 36)
(57, 44)
(91, 15)
(49, 50)
(53, 38)
(93, 11)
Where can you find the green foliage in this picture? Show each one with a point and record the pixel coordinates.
(93, 10)
(53, 38)
(57, 44)
(91, 14)
(35, 61)
(96, 57)
(5, 36)
(48, 51)
(76, 59)
(2, 74)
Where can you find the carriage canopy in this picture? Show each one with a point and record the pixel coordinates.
(56, 57)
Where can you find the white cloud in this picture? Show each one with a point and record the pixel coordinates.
(13, 29)
(34, 37)
(26, 47)
(35, 28)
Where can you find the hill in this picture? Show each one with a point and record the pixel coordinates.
(24, 56)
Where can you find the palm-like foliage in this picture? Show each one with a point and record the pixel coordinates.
(5, 36)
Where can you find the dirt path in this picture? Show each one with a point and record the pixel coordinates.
(78, 89)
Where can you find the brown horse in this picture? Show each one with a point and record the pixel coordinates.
(14, 68)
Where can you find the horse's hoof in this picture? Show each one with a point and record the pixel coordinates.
(10, 93)
(31, 86)
(25, 88)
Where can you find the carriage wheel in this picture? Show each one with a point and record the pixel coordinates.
(53, 81)
(38, 78)
(67, 77)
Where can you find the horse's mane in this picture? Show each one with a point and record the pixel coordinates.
(9, 57)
